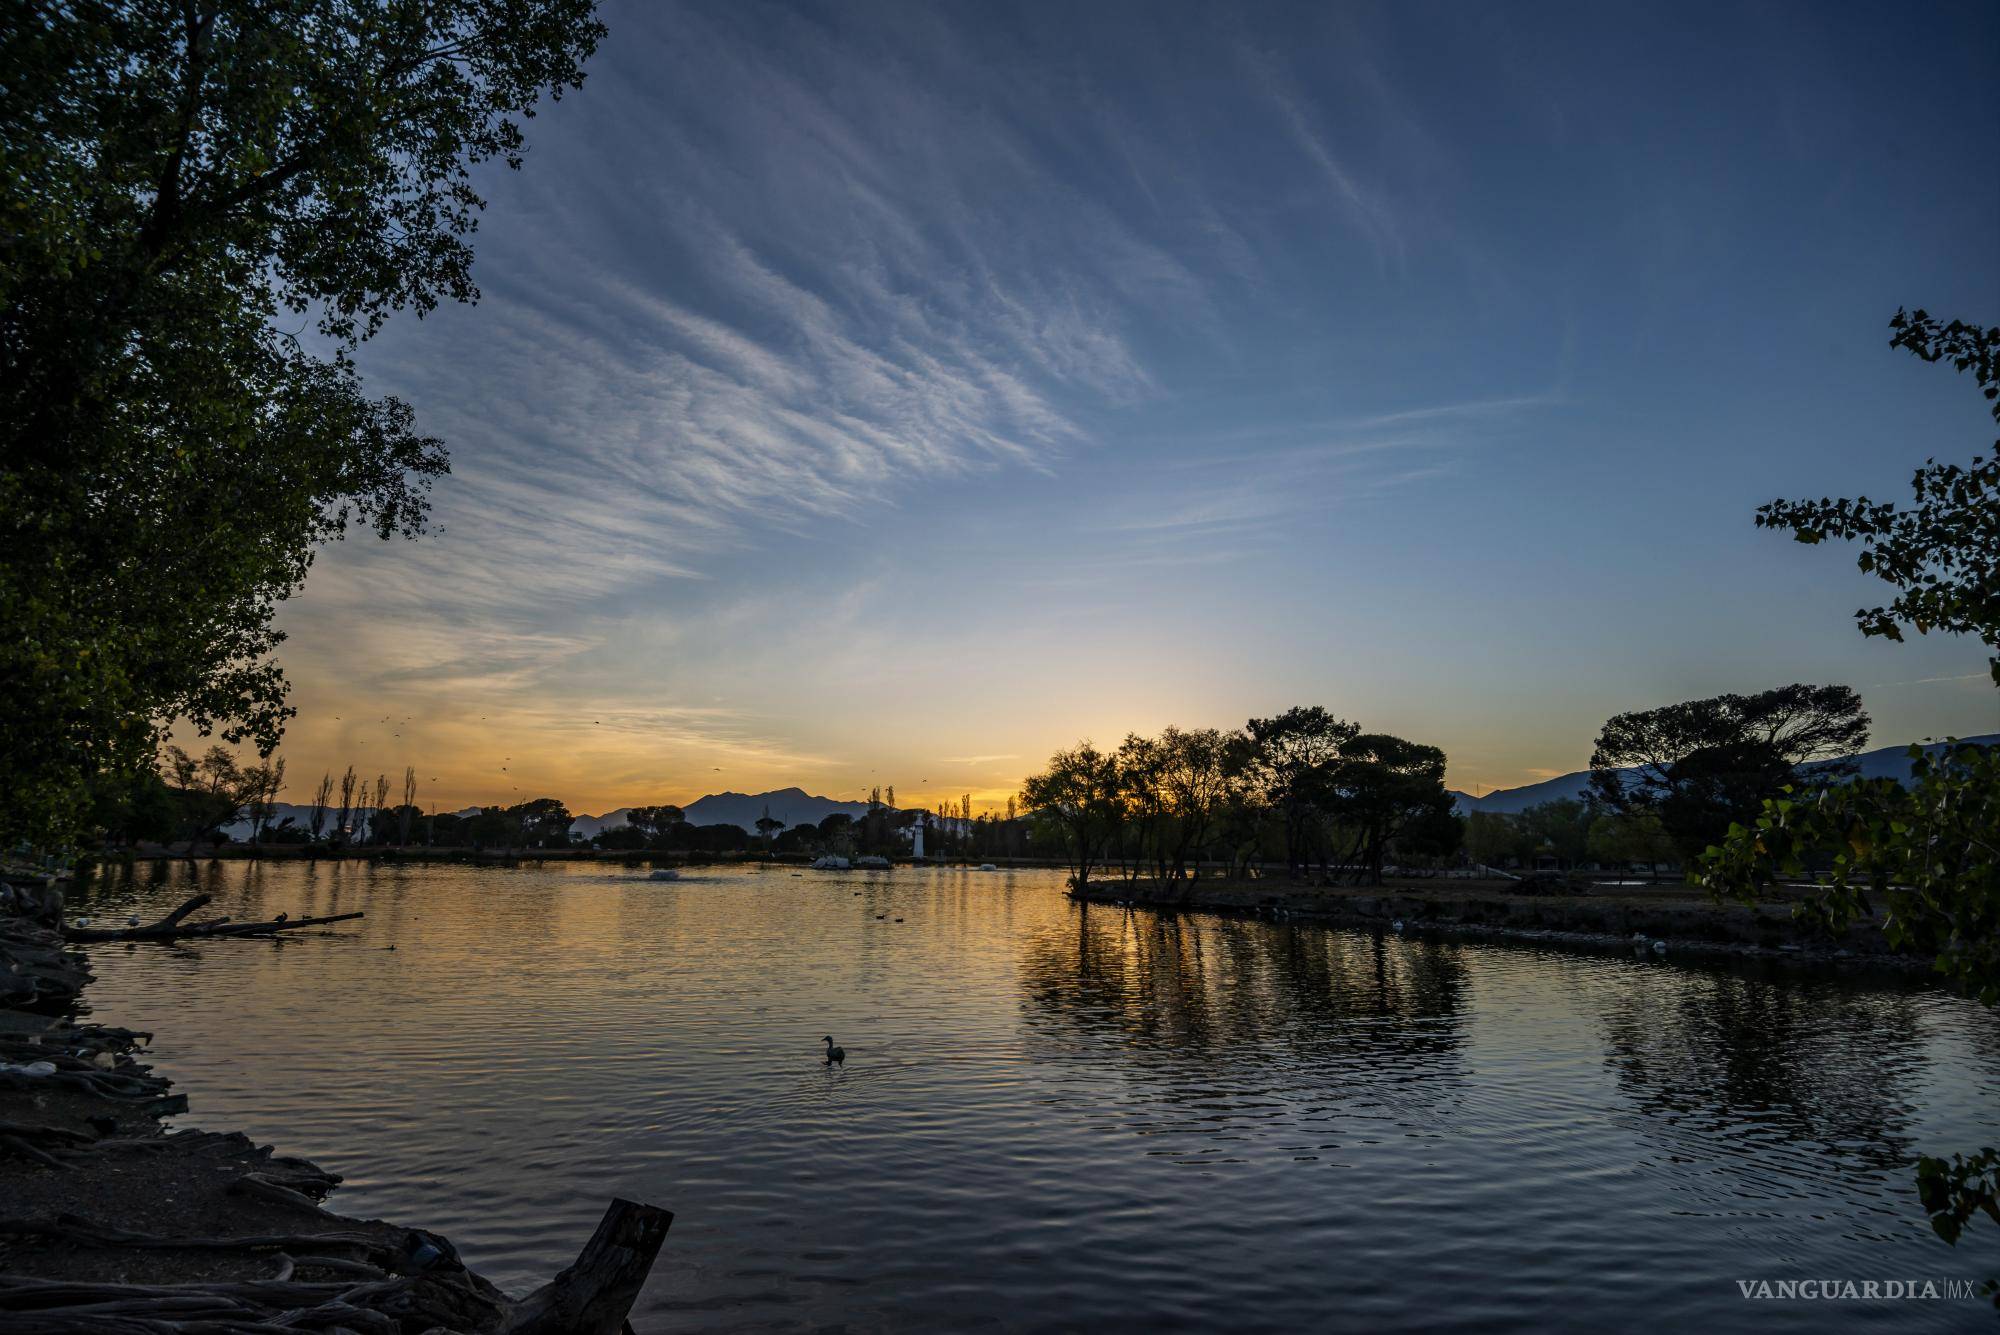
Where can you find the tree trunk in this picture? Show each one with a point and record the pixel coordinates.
(594, 1295)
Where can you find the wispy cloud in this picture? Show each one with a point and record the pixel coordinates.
(1366, 207)
(800, 338)
(1930, 681)
(1476, 410)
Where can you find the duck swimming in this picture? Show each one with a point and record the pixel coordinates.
(834, 1055)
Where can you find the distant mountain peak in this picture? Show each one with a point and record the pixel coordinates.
(1886, 762)
(793, 806)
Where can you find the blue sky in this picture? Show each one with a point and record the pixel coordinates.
(881, 393)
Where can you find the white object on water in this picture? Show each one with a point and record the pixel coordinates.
(831, 862)
(1398, 924)
(1659, 947)
(987, 866)
(27, 1068)
(83, 922)
(665, 874)
(132, 920)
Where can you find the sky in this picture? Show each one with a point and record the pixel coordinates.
(891, 394)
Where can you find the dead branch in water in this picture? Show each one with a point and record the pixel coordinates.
(594, 1295)
(175, 927)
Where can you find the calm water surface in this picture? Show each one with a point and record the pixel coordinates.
(1059, 1118)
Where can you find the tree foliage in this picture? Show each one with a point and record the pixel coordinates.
(1302, 785)
(1078, 798)
(1925, 857)
(654, 821)
(1923, 861)
(1944, 552)
(1702, 764)
(1291, 761)
(188, 187)
(212, 789)
(1628, 838)
(1382, 789)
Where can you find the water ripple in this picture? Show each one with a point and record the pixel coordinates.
(1056, 1118)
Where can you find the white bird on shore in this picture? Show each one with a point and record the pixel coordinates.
(834, 1055)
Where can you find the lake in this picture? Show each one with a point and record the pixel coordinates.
(1053, 1117)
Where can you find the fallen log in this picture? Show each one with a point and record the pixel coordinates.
(596, 1293)
(224, 927)
(175, 927)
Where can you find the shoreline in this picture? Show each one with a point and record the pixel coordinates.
(111, 1221)
(393, 854)
(1683, 920)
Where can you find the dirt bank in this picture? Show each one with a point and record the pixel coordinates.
(1676, 915)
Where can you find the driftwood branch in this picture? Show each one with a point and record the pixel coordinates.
(175, 927)
(264, 1188)
(594, 1295)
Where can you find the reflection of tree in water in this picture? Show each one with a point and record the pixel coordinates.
(1760, 1061)
(1231, 1010)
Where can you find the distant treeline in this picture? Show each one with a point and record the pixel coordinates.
(1326, 799)
(188, 801)
(1304, 789)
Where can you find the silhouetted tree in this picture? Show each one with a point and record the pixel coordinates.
(322, 798)
(342, 831)
(542, 823)
(176, 181)
(1559, 829)
(1494, 839)
(144, 809)
(264, 782)
(211, 790)
(1703, 764)
(1383, 787)
(1077, 796)
(1142, 804)
(768, 825)
(1944, 553)
(655, 822)
(1292, 759)
(1923, 860)
(1617, 838)
(408, 809)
